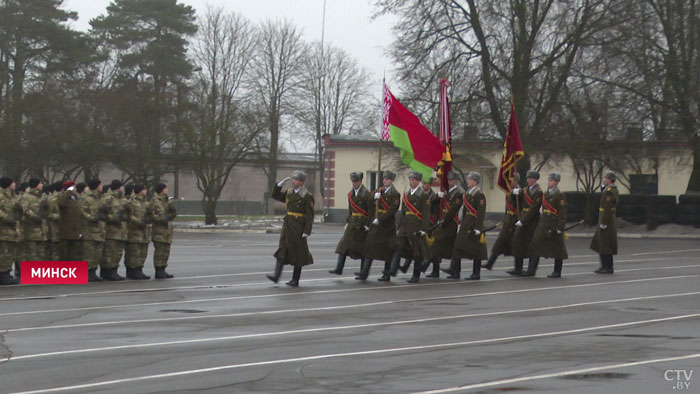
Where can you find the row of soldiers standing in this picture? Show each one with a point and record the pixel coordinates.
(66, 221)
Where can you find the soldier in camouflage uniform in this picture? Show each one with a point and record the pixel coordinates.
(94, 216)
(605, 239)
(360, 210)
(34, 225)
(115, 231)
(138, 234)
(70, 225)
(10, 214)
(548, 240)
(53, 217)
(162, 213)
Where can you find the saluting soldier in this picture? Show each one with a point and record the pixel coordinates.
(548, 240)
(445, 233)
(116, 231)
(137, 235)
(163, 212)
(293, 246)
(360, 211)
(411, 243)
(71, 224)
(471, 241)
(605, 239)
(503, 243)
(529, 217)
(35, 228)
(94, 216)
(381, 235)
(10, 214)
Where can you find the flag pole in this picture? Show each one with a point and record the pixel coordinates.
(517, 198)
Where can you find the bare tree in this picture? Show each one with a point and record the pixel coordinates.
(223, 125)
(276, 75)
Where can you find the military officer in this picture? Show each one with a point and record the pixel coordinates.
(137, 234)
(34, 225)
(70, 224)
(445, 233)
(605, 239)
(471, 242)
(10, 214)
(411, 243)
(116, 231)
(381, 236)
(94, 216)
(502, 246)
(434, 216)
(548, 240)
(163, 213)
(360, 210)
(529, 217)
(293, 247)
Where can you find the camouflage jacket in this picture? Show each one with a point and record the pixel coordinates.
(94, 215)
(162, 212)
(10, 214)
(35, 207)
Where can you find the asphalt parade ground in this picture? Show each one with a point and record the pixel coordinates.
(220, 326)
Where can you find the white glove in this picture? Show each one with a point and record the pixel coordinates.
(477, 232)
(305, 235)
(375, 222)
(558, 231)
(421, 233)
(603, 226)
(519, 223)
(441, 194)
(366, 228)
(516, 191)
(346, 226)
(377, 195)
(283, 181)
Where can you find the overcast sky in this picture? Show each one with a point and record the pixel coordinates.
(348, 24)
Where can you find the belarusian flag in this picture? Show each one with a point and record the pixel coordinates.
(420, 149)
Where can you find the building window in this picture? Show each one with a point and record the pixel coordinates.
(375, 179)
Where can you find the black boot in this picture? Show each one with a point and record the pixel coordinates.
(518, 267)
(104, 273)
(275, 277)
(531, 267)
(364, 270)
(7, 279)
(339, 265)
(603, 265)
(416, 272)
(455, 271)
(113, 275)
(18, 270)
(386, 274)
(92, 276)
(425, 265)
(162, 274)
(557, 269)
(436, 269)
(489, 264)
(476, 271)
(137, 273)
(395, 260)
(295, 277)
(608, 262)
(405, 265)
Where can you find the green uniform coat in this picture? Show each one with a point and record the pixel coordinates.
(546, 242)
(605, 241)
(71, 223)
(446, 233)
(381, 238)
(293, 248)
(411, 244)
(503, 244)
(355, 235)
(468, 245)
(529, 216)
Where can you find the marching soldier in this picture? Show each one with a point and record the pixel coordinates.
(360, 210)
(70, 223)
(381, 235)
(35, 228)
(434, 216)
(548, 240)
(450, 204)
(605, 239)
(502, 246)
(163, 213)
(293, 247)
(137, 235)
(411, 244)
(94, 216)
(10, 214)
(470, 242)
(116, 231)
(53, 218)
(525, 227)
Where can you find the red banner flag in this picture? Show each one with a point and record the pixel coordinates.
(512, 152)
(445, 134)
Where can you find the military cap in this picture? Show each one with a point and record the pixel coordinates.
(81, 186)
(474, 176)
(116, 184)
(5, 182)
(452, 175)
(56, 186)
(65, 185)
(300, 175)
(34, 182)
(554, 176)
(389, 175)
(611, 175)
(138, 187)
(159, 187)
(356, 176)
(533, 174)
(416, 175)
(93, 183)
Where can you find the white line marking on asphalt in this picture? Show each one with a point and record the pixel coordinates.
(336, 328)
(223, 285)
(362, 353)
(559, 374)
(666, 252)
(459, 282)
